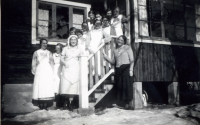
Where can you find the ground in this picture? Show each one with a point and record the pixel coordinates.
(151, 115)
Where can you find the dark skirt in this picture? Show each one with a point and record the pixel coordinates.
(123, 83)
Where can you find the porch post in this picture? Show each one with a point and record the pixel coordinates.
(83, 82)
(105, 5)
(84, 108)
(137, 101)
(173, 93)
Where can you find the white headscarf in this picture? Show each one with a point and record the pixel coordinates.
(70, 38)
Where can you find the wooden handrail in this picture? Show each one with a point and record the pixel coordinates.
(100, 81)
(91, 55)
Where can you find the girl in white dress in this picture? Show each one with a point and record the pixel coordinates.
(70, 72)
(57, 67)
(118, 23)
(91, 19)
(42, 68)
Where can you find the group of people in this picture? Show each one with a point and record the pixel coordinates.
(58, 73)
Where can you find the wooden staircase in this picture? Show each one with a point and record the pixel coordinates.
(100, 84)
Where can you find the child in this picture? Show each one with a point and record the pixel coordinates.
(81, 40)
(91, 19)
(57, 71)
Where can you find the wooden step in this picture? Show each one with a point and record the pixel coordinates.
(99, 91)
(92, 99)
(99, 96)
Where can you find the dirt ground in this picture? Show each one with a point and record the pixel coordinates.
(151, 115)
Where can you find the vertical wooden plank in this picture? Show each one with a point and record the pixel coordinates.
(37, 14)
(96, 61)
(148, 62)
(162, 19)
(105, 5)
(83, 89)
(167, 63)
(70, 16)
(164, 63)
(54, 20)
(151, 62)
(161, 62)
(85, 14)
(91, 83)
(173, 93)
(137, 95)
(107, 64)
(156, 62)
(140, 61)
(102, 63)
(143, 62)
(112, 46)
(135, 61)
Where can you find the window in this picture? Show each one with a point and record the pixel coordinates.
(171, 19)
(55, 20)
(197, 16)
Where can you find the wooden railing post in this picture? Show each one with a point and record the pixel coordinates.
(83, 82)
(84, 108)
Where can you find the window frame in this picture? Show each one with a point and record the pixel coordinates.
(75, 5)
(54, 12)
(163, 37)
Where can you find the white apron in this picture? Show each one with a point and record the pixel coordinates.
(43, 86)
(70, 74)
(57, 72)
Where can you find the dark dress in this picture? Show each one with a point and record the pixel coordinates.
(123, 83)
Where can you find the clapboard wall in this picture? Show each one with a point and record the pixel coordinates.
(16, 41)
(156, 62)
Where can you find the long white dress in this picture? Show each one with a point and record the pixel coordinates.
(70, 74)
(96, 39)
(43, 86)
(57, 72)
(107, 31)
(117, 23)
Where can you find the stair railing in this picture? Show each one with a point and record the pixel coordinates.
(94, 69)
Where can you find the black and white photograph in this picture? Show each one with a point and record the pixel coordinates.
(100, 62)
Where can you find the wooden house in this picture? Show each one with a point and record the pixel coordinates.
(164, 36)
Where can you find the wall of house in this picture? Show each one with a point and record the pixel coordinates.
(156, 62)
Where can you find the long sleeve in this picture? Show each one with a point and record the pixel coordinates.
(131, 58)
(34, 63)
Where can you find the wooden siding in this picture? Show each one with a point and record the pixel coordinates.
(155, 62)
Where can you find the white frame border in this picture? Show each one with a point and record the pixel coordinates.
(34, 14)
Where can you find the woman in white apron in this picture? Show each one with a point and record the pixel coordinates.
(70, 71)
(42, 68)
